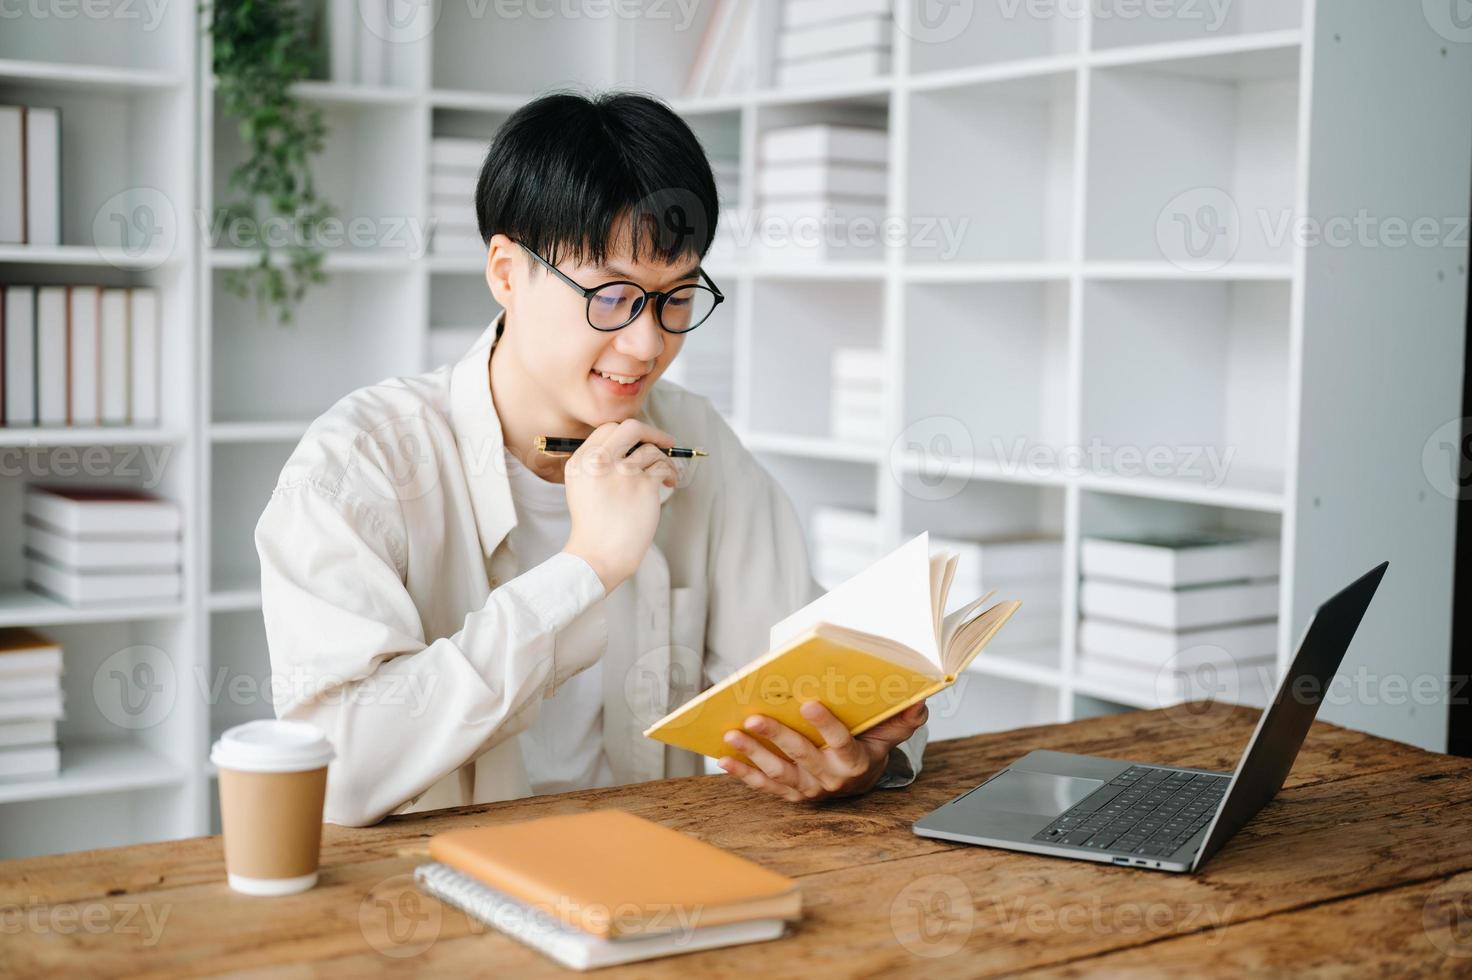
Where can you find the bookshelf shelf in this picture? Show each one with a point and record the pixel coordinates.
(21, 607)
(89, 436)
(62, 75)
(91, 767)
(87, 256)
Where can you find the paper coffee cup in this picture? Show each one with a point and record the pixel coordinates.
(273, 779)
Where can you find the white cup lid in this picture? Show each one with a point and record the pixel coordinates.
(271, 745)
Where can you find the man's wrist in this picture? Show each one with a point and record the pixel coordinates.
(610, 579)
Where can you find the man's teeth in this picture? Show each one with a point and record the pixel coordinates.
(622, 379)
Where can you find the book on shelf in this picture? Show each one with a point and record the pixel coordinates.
(849, 181)
(868, 649)
(83, 355)
(33, 707)
(1180, 560)
(824, 143)
(112, 347)
(1152, 647)
(1018, 558)
(835, 37)
(12, 175)
(606, 887)
(26, 653)
(91, 554)
(1240, 683)
(852, 66)
(808, 13)
(342, 41)
(102, 511)
(52, 363)
(30, 175)
(19, 324)
(1193, 607)
(79, 588)
(143, 331)
(28, 731)
(29, 761)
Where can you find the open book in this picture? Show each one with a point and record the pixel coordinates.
(868, 650)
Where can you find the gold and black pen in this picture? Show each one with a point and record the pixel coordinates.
(560, 446)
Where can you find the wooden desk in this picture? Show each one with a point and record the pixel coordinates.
(1361, 865)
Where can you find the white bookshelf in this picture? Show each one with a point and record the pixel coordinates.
(1057, 320)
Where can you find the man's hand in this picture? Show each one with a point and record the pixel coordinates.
(845, 766)
(613, 496)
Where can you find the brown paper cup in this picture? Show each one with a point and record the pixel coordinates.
(271, 805)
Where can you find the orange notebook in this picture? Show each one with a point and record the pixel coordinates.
(613, 875)
(869, 649)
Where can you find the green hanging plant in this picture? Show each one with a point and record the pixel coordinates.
(260, 50)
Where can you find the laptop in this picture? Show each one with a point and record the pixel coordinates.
(1159, 817)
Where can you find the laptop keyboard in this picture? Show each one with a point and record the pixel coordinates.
(1145, 811)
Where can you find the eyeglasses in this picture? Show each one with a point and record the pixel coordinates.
(615, 305)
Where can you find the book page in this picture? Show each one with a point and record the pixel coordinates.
(891, 599)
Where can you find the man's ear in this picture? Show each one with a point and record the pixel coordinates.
(502, 256)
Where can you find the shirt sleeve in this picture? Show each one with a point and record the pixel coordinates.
(348, 652)
(758, 542)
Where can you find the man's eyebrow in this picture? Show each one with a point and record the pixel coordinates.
(617, 270)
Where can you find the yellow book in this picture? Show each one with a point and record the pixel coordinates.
(869, 649)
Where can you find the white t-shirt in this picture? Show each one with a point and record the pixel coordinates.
(563, 749)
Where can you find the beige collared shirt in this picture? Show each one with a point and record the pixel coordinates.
(396, 622)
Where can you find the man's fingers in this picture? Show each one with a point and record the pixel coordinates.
(629, 433)
(836, 737)
(759, 780)
(793, 745)
(779, 769)
(644, 457)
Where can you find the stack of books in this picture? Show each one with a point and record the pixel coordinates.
(89, 545)
(845, 542)
(725, 61)
(79, 356)
(1030, 567)
(821, 191)
(1187, 617)
(858, 394)
(363, 35)
(605, 887)
(833, 41)
(30, 704)
(30, 175)
(454, 167)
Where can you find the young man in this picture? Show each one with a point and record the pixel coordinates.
(470, 620)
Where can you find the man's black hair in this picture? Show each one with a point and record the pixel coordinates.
(565, 168)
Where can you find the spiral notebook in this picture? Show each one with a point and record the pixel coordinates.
(575, 948)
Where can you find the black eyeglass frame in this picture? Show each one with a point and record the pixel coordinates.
(659, 297)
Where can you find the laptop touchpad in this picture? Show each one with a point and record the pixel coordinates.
(1037, 793)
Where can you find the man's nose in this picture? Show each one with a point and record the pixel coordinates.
(643, 339)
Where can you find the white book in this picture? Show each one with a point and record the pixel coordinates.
(855, 66)
(999, 561)
(87, 588)
(808, 180)
(143, 327)
(1156, 647)
(804, 13)
(112, 331)
(85, 374)
(342, 40)
(25, 653)
(832, 38)
(30, 761)
(116, 512)
(455, 153)
(52, 401)
(43, 177)
(12, 174)
(29, 685)
(574, 948)
(44, 707)
(1190, 608)
(20, 355)
(372, 48)
(1174, 561)
(1248, 683)
(825, 142)
(103, 554)
(32, 731)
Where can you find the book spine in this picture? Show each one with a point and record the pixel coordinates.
(51, 356)
(12, 175)
(144, 328)
(20, 355)
(84, 381)
(43, 175)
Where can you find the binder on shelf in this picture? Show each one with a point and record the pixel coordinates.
(84, 357)
(20, 355)
(52, 368)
